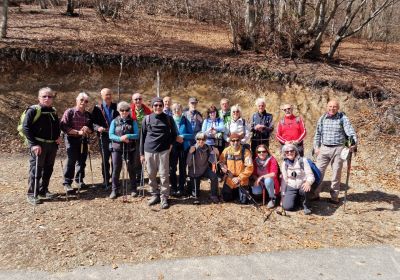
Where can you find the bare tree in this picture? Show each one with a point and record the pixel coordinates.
(70, 8)
(4, 19)
(250, 22)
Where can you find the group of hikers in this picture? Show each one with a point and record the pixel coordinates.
(163, 138)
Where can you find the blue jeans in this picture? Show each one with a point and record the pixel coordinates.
(268, 184)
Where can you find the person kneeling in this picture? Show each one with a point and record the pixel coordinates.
(297, 178)
(237, 165)
(265, 175)
(199, 159)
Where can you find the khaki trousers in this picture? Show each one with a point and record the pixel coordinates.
(158, 162)
(330, 155)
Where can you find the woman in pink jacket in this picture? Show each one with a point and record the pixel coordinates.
(265, 174)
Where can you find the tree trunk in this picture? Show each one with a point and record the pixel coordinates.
(43, 4)
(271, 6)
(5, 18)
(70, 7)
(250, 21)
(187, 7)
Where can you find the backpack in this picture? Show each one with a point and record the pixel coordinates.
(315, 170)
(38, 113)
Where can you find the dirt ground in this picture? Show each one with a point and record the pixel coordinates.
(93, 229)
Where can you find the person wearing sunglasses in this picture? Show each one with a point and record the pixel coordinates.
(296, 181)
(159, 133)
(291, 129)
(123, 133)
(179, 151)
(138, 111)
(238, 126)
(265, 175)
(194, 116)
(261, 126)
(201, 161)
(43, 137)
(76, 124)
(237, 164)
(102, 115)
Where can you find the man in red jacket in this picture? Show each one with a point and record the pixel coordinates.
(139, 111)
(291, 129)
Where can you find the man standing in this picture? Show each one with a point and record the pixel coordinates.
(291, 129)
(261, 126)
(42, 130)
(76, 124)
(158, 135)
(167, 105)
(237, 164)
(139, 111)
(194, 116)
(102, 116)
(333, 128)
(225, 112)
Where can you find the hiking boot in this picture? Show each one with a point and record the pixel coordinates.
(33, 200)
(164, 203)
(107, 186)
(307, 211)
(214, 199)
(68, 188)
(113, 194)
(196, 201)
(81, 186)
(134, 193)
(271, 204)
(47, 195)
(154, 200)
(334, 200)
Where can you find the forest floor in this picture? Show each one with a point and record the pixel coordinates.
(94, 230)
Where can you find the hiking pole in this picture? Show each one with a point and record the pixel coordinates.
(124, 171)
(347, 179)
(195, 180)
(62, 170)
(36, 180)
(103, 160)
(90, 164)
(80, 171)
(142, 181)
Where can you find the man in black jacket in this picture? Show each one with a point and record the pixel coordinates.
(102, 116)
(261, 126)
(158, 134)
(42, 130)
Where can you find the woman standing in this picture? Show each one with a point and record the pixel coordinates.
(123, 133)
(179, 151)
(213, 127)
(238, 126)
(265, 174)
(297, 178)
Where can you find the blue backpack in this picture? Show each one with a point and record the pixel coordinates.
(315, 170)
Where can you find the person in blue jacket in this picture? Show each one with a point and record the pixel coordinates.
(179, 151)
(123, 133)
(213, 127)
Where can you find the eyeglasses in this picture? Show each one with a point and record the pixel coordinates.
(200, 139)
(289, 152)
(235, 140)
(47, 96)
(158, 105)
(84, 100)
(261, 152)
(136, 99)
(287, 109)
(213, 112)
(127, 110)
(235, 112)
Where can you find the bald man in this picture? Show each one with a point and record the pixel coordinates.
(103, 114)
(333, 131)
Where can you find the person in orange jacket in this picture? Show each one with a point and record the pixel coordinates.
(237, 165)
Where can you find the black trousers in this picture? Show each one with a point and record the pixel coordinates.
(118, 161)
(177, 156)
(294, 198)
(45, 168)
(104, 146)
(77, 150)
